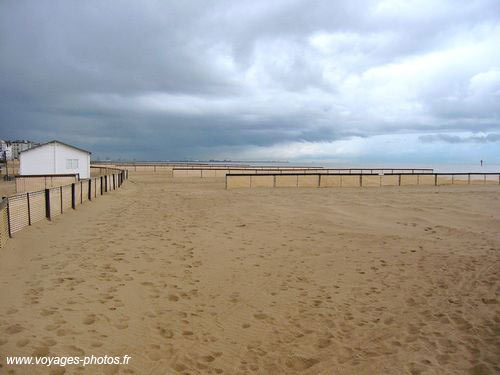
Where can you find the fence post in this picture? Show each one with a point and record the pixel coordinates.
(468, 179)
(435, 180)
(361, 179)
(29, 209)
(47, 204)
(73, 205)
(90, 189)
(9, 229)
(399, 179)
(101, 185)
(61, 194)
(319, 179)
(106, 184)
(81, 192)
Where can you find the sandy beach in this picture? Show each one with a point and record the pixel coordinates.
(186, 277)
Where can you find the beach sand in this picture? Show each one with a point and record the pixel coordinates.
(186, 277)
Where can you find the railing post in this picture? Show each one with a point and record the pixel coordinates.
(101, 185)
(47, 204)
(319, 179)
(81, 192)
(73, 205)
(399, 179)
(485, 179)
(29, 209)
(435, 180)
(361, 179)
(468, 179)
(90, 189)
(61, 194)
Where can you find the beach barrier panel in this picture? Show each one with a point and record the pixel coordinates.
(389, 180)
(97, 187)
(55, 202)
(492, 180)
(459, 179)
(409, 179)
(444, 180)
(221, 172)
(85, 190)
(308, 181)
(67, 198)
(371, 181)
(4, 223)
(426, 179)
(36, 206)
(18, 212)
(78, 194)
(238, 182)
(349, 181)
(286, 181)
(330, 181)
(262, 181)
(208, 173)
(30, 183)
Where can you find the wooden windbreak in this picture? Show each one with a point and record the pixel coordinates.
(21, 210)
(4, 223)
(18, 212)
(270, 180)
(30, 183)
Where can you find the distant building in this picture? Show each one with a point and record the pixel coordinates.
(5, 151)
(12, 149)
(55, 158)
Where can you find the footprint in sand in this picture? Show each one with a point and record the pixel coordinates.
(173, 298)
(13, 329)
(89, 319)
(22, 343)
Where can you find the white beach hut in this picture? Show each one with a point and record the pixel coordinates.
(55, 158)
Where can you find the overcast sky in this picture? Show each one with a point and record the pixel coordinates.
(353, 81)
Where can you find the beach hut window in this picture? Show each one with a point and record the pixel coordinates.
(71, 163)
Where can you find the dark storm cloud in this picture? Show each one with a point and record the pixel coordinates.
(153, 79)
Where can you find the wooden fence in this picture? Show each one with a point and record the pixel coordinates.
(222, 172)
(276, 180)
(29, 183)
(22, 210)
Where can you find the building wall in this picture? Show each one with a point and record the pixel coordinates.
(51, 159)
